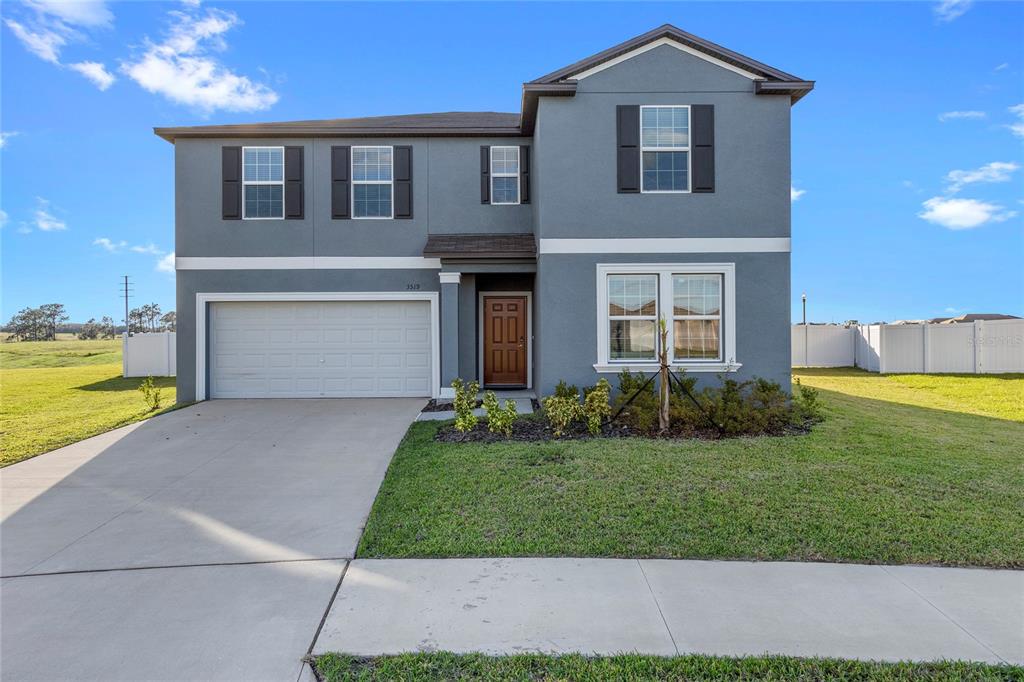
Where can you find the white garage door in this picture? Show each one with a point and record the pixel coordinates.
(323, 349)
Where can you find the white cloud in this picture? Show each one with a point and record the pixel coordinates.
(1018, 127)
(150, 248)
(23, 228)
(182, 69)
(1002, 67)
(997, 171)
(951, 310)
(43, 42)
(3, 218)
(166, 264)
(962, 214)
(44, 220)
(89, 13)
(108, 245)
(96, 72)
(948, 10)
(6, 135)
(956, 115)
(795, 194)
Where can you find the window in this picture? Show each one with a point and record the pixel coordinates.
(697, 301)
(632, 317)
(665, 149)
(696, 317)
(504, 175)
(262, 183)
(371, 182)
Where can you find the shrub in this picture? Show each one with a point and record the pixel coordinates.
(564, 390)
(562, 411)
(499, 420)
(596, 406)
(150, 393)
(806, 407)
(465, 402)
(642, 413)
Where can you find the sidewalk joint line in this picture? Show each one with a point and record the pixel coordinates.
(327, 611)
(660, 612)
(944, 614)
(166, 566)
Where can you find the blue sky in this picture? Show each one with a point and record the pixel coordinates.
(907, 158)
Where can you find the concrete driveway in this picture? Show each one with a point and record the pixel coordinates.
(202, 544)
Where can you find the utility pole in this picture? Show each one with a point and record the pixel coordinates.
(803, 299)
(126, 291)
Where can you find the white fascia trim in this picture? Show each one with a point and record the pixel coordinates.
(450, 277)
(204, 297)
(667, 245)
(658, 43)
(721, 367)
(306, 263)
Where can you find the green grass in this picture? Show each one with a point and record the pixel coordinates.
(904, 470)
(530, 668)
(53, 393)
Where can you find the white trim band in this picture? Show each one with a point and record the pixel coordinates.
(666, 245)
(658, 43)
(449, 277)
(306, 263)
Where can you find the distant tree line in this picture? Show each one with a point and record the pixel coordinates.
(46, 321)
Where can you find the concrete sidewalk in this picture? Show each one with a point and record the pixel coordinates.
(665, 607)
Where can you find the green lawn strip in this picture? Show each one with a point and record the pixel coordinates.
(42, 409)
(63, 352)
(448, 666)
(877, 482)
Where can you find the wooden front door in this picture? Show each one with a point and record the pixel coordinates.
(505, 340)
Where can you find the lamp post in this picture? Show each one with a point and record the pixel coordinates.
(803, 299)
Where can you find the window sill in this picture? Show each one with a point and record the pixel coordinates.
(607, 368)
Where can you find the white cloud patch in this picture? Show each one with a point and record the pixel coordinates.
(3, 218)
(997, 171)
(6, 135)
(166, 264)
(109, 245)
(1017, 128)
(96, 72)
(151, 249)
(44, 220)
(959, 115)
(962, 214)
(1002, 67)
(795, 194)
(88, 13)
(182, 68)
(948, 10)
(41, 41)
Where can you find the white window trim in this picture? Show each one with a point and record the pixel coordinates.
(204, 298)
(262, 182)
(687, 149)
(517, 175)
(665, 271)
(643, 318)
(391, 182)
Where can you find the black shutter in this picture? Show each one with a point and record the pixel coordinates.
(627, 125)
(485, 175)
(702, 132)
(293, 181)
(524, 174)
(231, 183)
(403, 181)
(339, 182)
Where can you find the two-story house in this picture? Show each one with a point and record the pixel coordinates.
(386, 256)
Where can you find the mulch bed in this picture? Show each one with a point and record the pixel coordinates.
(444, 406)
(538, 429)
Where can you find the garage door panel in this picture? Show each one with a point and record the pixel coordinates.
(320, 349)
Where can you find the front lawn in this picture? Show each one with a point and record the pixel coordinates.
(53, 393)
(903, 470)
(447, 666)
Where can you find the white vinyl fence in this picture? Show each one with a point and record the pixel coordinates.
(984, 347)
(149, 355)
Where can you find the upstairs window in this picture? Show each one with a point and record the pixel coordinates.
(262, 183)
(372, 182)
(504, 175)
(665, 148)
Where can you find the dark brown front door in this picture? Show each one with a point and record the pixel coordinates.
(505, 340)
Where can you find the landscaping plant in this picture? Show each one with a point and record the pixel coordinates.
(562, 411)
(464, 403)
(596, 405)
(805, 403)
(150, 393)
(499, 419)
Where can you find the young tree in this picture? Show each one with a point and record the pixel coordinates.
(169, 321)
(107, 330)
(90, 330)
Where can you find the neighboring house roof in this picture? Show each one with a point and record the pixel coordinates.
(449, 123)
(767, 80)
(480, 246)
(972, 317)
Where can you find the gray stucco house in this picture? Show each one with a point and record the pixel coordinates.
(386, 256)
